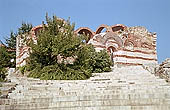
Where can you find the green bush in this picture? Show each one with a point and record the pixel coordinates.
(102, 62)
(2, 74)
(22, 69)
(56, 72)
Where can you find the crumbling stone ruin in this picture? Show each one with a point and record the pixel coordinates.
(163, 70)
(126, 45)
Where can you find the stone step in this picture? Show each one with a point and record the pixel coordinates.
(120, 81)
(93, 103)
(119, 87)
(102, 88)
(97, 77)
(6, 88)
(144, 107)
(39, 95)
(36, 98)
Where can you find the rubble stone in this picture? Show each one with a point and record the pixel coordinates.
(163, 70)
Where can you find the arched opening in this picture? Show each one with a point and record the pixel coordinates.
(101, 28)
(37, 31)
(117, 28)
(86, 31)
(111, 51)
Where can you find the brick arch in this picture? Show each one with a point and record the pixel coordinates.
(113, 48)
(35, 30)
(86, 31)
(101, 27)
(117, 27)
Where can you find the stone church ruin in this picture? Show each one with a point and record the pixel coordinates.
(125, 45)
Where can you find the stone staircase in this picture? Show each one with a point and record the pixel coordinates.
(125, 88)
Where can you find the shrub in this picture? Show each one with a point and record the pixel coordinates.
(2, 74)
(22, 69)
(102, 62)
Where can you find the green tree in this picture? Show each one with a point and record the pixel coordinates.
(56, 45)
(4, 57)
(4, 62)
(25, 28)
(11, 41)
(11, 47)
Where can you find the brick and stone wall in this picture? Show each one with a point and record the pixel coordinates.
(126, 45)
(22, 49)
